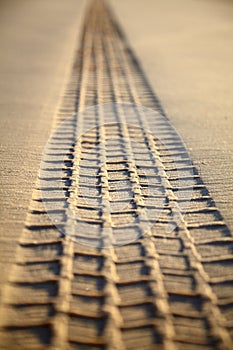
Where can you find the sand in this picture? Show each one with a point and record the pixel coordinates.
(185, 48)
(37, 41)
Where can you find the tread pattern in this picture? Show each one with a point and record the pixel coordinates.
(168, 292)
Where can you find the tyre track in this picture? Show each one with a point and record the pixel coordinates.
(173, 292)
